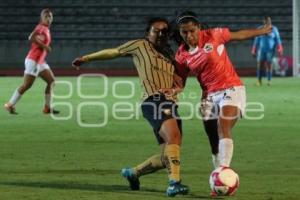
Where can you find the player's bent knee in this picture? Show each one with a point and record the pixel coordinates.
(51, 82)
(171, 137)
(25, 87)
(174, 138)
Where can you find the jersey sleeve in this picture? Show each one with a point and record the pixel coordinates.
(255, 44)
(222, 34)
(39, 29)
(130, 47)
(277, 36)
(256, 41)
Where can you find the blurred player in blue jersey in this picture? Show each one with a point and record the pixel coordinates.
(264, 48)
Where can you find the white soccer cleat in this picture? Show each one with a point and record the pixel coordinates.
(10, 108)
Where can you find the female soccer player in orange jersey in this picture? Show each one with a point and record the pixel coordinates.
(203, 53)
(35, 64)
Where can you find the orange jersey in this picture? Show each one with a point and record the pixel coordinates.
(36, 53)
(209, 61)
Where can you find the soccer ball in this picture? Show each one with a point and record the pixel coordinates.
(224, 181)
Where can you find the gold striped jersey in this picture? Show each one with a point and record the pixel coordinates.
(155, 70)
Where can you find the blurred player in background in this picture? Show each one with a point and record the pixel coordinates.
(154, 61)
(35, 64)
(203, 53)
(264, 48)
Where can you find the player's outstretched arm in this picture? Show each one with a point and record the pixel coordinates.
(100, 55)
(254, 46)
(278, 42)
(250, 33)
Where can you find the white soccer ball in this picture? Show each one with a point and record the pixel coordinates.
(224, 181)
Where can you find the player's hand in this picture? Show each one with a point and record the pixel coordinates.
(268, 28)
(177, 86)
(178, 82)
(253, 52)
(168, 91)
(78, 62)
(48, 49)
(280, 50)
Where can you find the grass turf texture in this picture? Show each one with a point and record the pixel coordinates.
(48, 159)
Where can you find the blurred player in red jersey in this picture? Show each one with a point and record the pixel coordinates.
(35, 64)
(203, 53)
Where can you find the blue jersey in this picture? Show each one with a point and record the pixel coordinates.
(265, 43)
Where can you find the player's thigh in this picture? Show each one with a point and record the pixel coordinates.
(170, 131)
(46, 73)
(158, 110)
(269, 57)
(31, 67)
(233, 104)
(261, 56)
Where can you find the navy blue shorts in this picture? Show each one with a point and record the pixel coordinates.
(157, 109)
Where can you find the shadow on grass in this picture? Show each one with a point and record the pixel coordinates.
(97, 187)
(193, 196)
(79, 171)
(62, 171)
(72, 185)
(86, 187)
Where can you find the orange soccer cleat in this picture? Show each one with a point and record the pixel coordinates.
(48, 110)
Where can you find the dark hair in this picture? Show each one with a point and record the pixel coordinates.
(46, 10)
(187, 16)
(266, 17)
(204, 26)
(174, 32)
(184, 17)
(166, 50)
(152, 20)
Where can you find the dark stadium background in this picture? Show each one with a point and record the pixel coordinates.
(83, 26)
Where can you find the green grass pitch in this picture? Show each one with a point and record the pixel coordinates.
(42, 158)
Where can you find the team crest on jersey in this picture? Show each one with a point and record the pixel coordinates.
(220, 49)
(208, 47)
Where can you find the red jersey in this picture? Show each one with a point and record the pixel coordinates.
(209, 61)
(36, 53)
